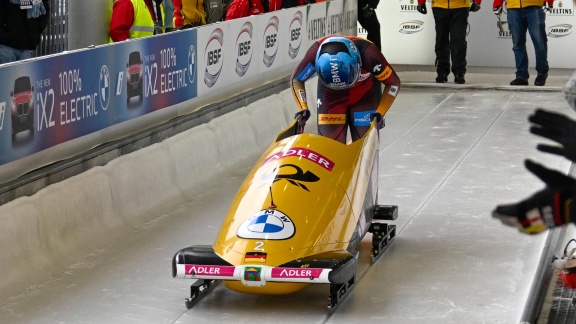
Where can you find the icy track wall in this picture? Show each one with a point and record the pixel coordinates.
(43, 234)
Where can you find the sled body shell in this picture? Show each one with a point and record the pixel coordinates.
(307, 195)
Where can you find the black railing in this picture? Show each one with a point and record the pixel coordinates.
(55, 37)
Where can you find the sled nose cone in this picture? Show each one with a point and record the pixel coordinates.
(197, 255)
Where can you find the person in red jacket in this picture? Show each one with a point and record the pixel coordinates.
(135, 19)
(351, 71)
(527, 15)
(451, 21)
(245, 8)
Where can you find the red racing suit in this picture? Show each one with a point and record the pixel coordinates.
(339, 109)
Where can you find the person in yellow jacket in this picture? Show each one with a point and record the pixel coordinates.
(451, 19)
(135, 19)
(189, 13)
(527, 15)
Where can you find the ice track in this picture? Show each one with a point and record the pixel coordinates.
(447, 157)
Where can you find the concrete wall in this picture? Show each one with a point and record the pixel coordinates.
(89, 22)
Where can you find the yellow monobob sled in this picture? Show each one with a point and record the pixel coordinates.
(297, 219)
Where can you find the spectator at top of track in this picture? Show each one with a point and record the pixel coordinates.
(245, 8)
(189, 13)
(168, 15)
(451, 47)
(135, 19)
(21, 25)
(368, 19)
(527, 16)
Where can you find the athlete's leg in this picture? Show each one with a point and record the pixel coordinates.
(359, 112)
(332, 106)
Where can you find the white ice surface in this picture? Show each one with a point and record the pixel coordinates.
(447, 157)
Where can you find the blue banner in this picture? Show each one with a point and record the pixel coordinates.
(52, 100)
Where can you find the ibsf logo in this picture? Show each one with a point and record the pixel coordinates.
(244, 49)
(411, 27)
(295, 35)
(213, 57)
(271, 41)
(560, 30)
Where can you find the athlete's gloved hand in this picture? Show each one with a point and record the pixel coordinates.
(367, 11)
(548, 6)
(547, 208)
(497, 10)
(475, 6)
(422, 8)
(304, 113)
(555, 127)
(379, 120)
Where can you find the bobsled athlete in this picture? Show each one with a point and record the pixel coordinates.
(351, 71)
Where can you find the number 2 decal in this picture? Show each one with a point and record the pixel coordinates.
(259, 246)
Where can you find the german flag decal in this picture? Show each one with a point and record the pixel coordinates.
(259, 257)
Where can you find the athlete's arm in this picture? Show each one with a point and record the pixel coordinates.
(303, 72)
(374, 61)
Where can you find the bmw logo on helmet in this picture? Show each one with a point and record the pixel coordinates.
(338, 63)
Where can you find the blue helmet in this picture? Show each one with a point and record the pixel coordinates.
(338, 63)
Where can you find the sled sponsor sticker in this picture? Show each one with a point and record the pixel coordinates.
(296, 273)
(304, 153)
(268, 225)
(252, 276)
(196, 270)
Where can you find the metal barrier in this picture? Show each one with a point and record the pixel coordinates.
(55, 37)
